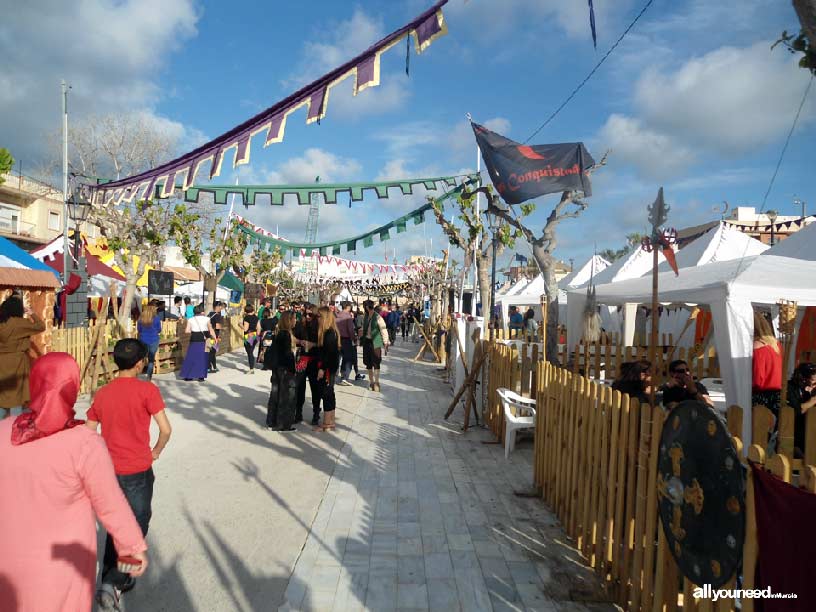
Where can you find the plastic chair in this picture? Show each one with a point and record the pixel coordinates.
(524, 418)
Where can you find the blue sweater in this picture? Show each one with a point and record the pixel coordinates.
(149, 334)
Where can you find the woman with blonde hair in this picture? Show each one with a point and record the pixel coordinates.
(766, 384)
(279, 358)
(328, 361)
(149, 329)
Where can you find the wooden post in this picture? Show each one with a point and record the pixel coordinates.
(655, 317)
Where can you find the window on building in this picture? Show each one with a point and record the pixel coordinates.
(54, 221)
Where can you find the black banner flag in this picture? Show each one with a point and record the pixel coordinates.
(522, 172)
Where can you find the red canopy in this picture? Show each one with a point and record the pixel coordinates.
(94, 266)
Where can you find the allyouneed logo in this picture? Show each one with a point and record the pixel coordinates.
(707, 592)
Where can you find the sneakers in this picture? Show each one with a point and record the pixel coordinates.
(108, 598)
(345, 383)
(359, 377)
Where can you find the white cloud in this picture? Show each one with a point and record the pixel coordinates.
(388, 96)
(317, 162)
(339, 42)
(656, 155)
(731, 99)
(110, 61)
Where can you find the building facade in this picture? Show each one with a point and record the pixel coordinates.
(31, 212)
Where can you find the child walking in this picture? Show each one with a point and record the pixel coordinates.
(124, 408)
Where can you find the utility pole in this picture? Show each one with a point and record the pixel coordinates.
(66, 251)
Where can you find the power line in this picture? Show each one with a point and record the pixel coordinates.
(787, 142)
(591, 72)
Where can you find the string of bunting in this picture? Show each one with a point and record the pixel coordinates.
(270, 243)
(271, 123)
(304, 192)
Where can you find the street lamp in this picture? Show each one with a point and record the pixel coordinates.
(494, 222)
(772, 214)
(78, 209)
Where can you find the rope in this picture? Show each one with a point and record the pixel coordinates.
(591, 72)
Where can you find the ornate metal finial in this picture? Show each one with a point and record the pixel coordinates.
(658, 213)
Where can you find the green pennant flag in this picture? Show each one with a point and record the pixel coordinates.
(336, 249)
(384, 235)
(368, 241)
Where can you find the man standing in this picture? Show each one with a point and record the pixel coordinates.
(374, 337)
(392, 323)
(217, 321)
(348, 335)
(177, 310)
(516, 319)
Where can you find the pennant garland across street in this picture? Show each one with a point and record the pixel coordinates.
(271, 123)
(268, 241)
(523, 172)
(329, 191)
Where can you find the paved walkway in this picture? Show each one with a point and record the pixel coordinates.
(418, 516)
(395, 510)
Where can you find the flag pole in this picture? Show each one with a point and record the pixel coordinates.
(476, 243)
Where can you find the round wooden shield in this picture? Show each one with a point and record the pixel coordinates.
(701, 494)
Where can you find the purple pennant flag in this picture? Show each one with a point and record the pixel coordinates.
(592, 24)
(425, 28)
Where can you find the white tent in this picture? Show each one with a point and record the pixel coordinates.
(580, 276)
(634, 265)
(196, 290)
(728, 288)
(530, 294)
(720, 243)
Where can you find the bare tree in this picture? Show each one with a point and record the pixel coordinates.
(472, 233)
(570, 206)
(114, 146)
(199, 234)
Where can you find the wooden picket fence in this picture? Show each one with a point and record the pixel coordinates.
(172, 345)
(596, 453)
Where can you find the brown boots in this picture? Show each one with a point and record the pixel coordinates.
(328, 422)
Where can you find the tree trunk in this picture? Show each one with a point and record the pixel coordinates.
(210, 287)
(127, 301)
(483, 262)
(546, 264)
(806, 10)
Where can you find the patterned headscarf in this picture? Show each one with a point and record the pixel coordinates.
(54, 385)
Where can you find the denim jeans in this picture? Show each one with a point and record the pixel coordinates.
(152, 349)
(138, 490)
(349, 353)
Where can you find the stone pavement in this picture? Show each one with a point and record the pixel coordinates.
(418, 516)
(397, 509)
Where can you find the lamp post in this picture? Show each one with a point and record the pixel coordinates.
(772, 214)
(493, 222)
(78, 209)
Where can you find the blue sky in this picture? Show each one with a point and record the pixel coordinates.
(693, 99)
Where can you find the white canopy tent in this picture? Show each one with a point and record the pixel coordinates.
(530, 294)
(728, 288)
(720, 243)
(196, 290)
(634, 265)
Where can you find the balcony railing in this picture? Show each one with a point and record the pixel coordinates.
(16, 227)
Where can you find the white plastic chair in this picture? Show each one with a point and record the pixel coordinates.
(524, 418)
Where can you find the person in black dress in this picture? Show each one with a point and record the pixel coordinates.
(328, 361)
(279, 358)
(268, 324)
